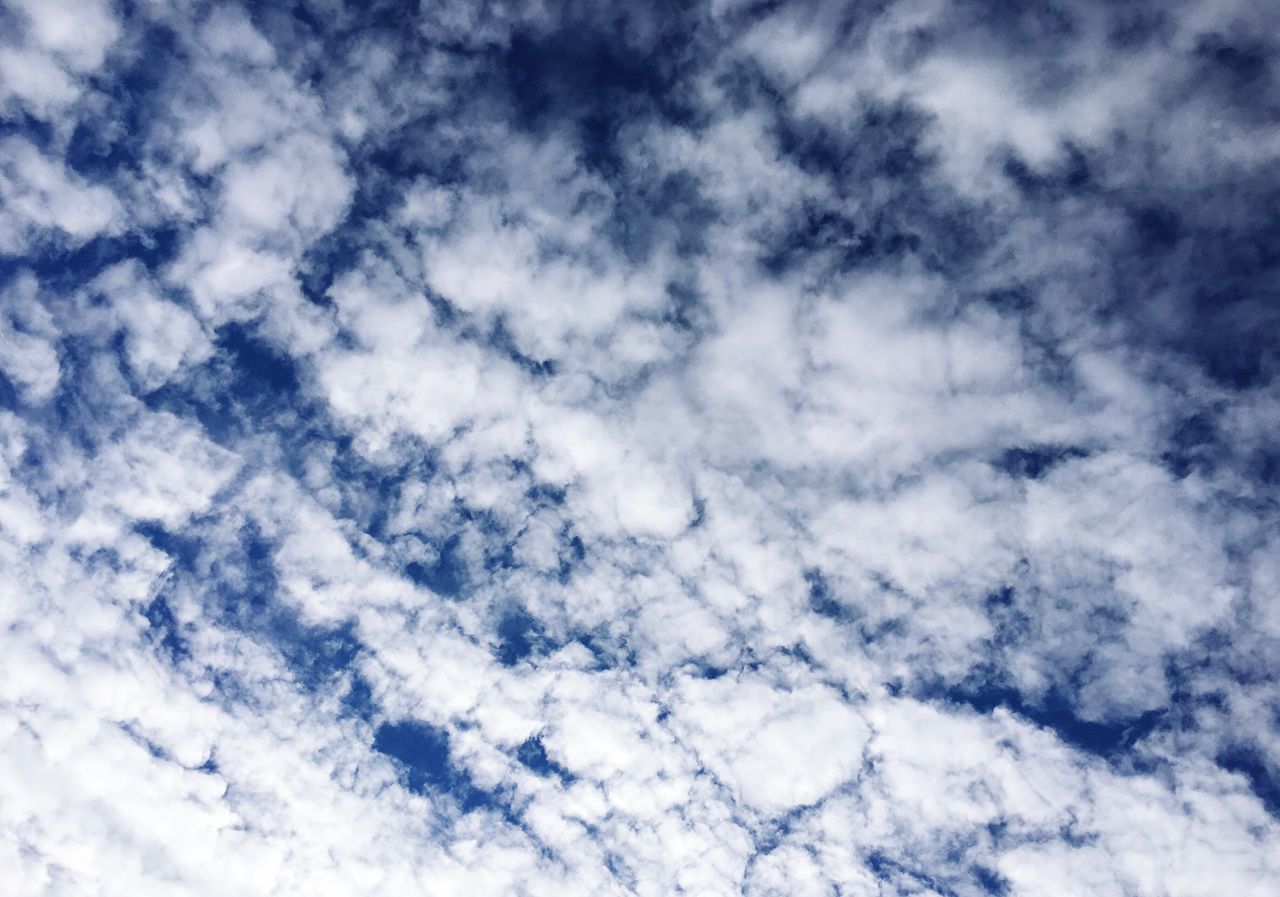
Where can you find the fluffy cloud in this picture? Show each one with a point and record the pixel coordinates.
(557, 449)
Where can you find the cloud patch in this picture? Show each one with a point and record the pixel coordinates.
(555, 449)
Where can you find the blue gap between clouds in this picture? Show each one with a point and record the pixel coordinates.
(446, 575)
(578, 80)
(533, 755)
(890, 870)
(1034, 461)
(1248, 762)
(250, 387)
(63, 268)
(519, 636)
(821, 601)
(985, 690)
(111, 142)
(247, 384)
(318, 657)
(893, 871)
(422, 753)
(1052, 711)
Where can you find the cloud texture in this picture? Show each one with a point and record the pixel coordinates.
(705, 449)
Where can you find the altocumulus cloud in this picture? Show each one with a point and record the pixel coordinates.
(566, 448)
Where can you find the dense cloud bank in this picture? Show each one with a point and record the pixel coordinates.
(582, 449)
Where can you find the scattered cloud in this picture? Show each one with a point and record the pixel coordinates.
(555, 448)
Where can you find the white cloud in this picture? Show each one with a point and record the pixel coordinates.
(60, 43)
(41, 195)
(79, 33)
(791, 479)
(28, 342)
(266, 192)
(36, 80)
(776, 749)
(161, 337)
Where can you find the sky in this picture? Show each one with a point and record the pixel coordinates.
(642, 449)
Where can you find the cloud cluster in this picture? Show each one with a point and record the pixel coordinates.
(558, 448)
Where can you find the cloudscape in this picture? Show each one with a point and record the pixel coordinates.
(577, 449)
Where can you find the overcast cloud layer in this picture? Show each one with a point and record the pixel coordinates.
(648, 449)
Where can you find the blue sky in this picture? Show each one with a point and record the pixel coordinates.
(703, 449)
